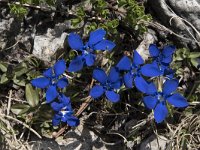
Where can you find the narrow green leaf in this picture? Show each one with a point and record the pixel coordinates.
(195, 62)
(4, 79)
(3, 66)
(194, 55)
(19, 109)
(32, 95)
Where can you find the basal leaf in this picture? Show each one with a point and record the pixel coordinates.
(32, 95)
(3, 66)
(19, 109)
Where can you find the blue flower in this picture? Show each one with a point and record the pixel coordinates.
(87, 57)
(157, 99)
(161, 61)
(134, 72)
(64, 102)
(64, 112)
(52, 80)
(108, 84)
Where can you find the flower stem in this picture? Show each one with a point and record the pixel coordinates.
(160, 83)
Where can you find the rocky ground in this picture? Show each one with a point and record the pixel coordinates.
(42, 34)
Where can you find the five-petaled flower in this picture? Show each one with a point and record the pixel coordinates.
(52, 80)
(108, 84)
(161, 61)
(134, 72)
(64, 112)
(157, 99)
(87, 57)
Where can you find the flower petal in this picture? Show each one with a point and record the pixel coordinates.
(73, 121)
(112, 96)
(90, 58)
(169, 73)
(75, 41)
(124, 63)
(51, 93)
(59, 67)
(96, 91)
(104, 45)
(96, 36)
(168, 50)
(128, 80)
(160, 112)
(76, 64)
(64, 100)
(150, 102)
(56, 106)
(153, 50)
(62, 83)
(137, 59)
(117, 84)
(177, 100)
(141, 84)
(170, 86)
(56, 120)
(41, 82)
(167, 60)
(151, 70)
(152, 90)
(48, 73)
(99, 75)
(113, 75)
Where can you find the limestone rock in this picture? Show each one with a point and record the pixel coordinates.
(46, 45)
(181, 16)
(152, 143)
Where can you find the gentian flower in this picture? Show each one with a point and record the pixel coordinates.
(87, 57)
(157, 100)
(108, 84)
(134, 72)
(161, 61)
(64, 112)
(52, 80)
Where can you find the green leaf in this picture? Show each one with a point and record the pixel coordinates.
(195, 62)
(19, 81)
(21, 69)
(194, 55)
(32, 95)
(4, 79)
(3, 66)
(3, 126)
(19, 109)
(76, 21)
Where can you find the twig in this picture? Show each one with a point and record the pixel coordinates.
(72, 78)
(125, 140)
(12, 45)
(14, 99)
(162, 27)
(22, 123)
(9, 102)
(83, 106)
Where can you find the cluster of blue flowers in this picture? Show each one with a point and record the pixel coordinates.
(53, 81)
(130, 72)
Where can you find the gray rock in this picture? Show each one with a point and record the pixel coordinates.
(143, 48)
(179, 16)
(154, 143)
(46, 45)
(80, 138)
(9, 29)
(3, 28)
